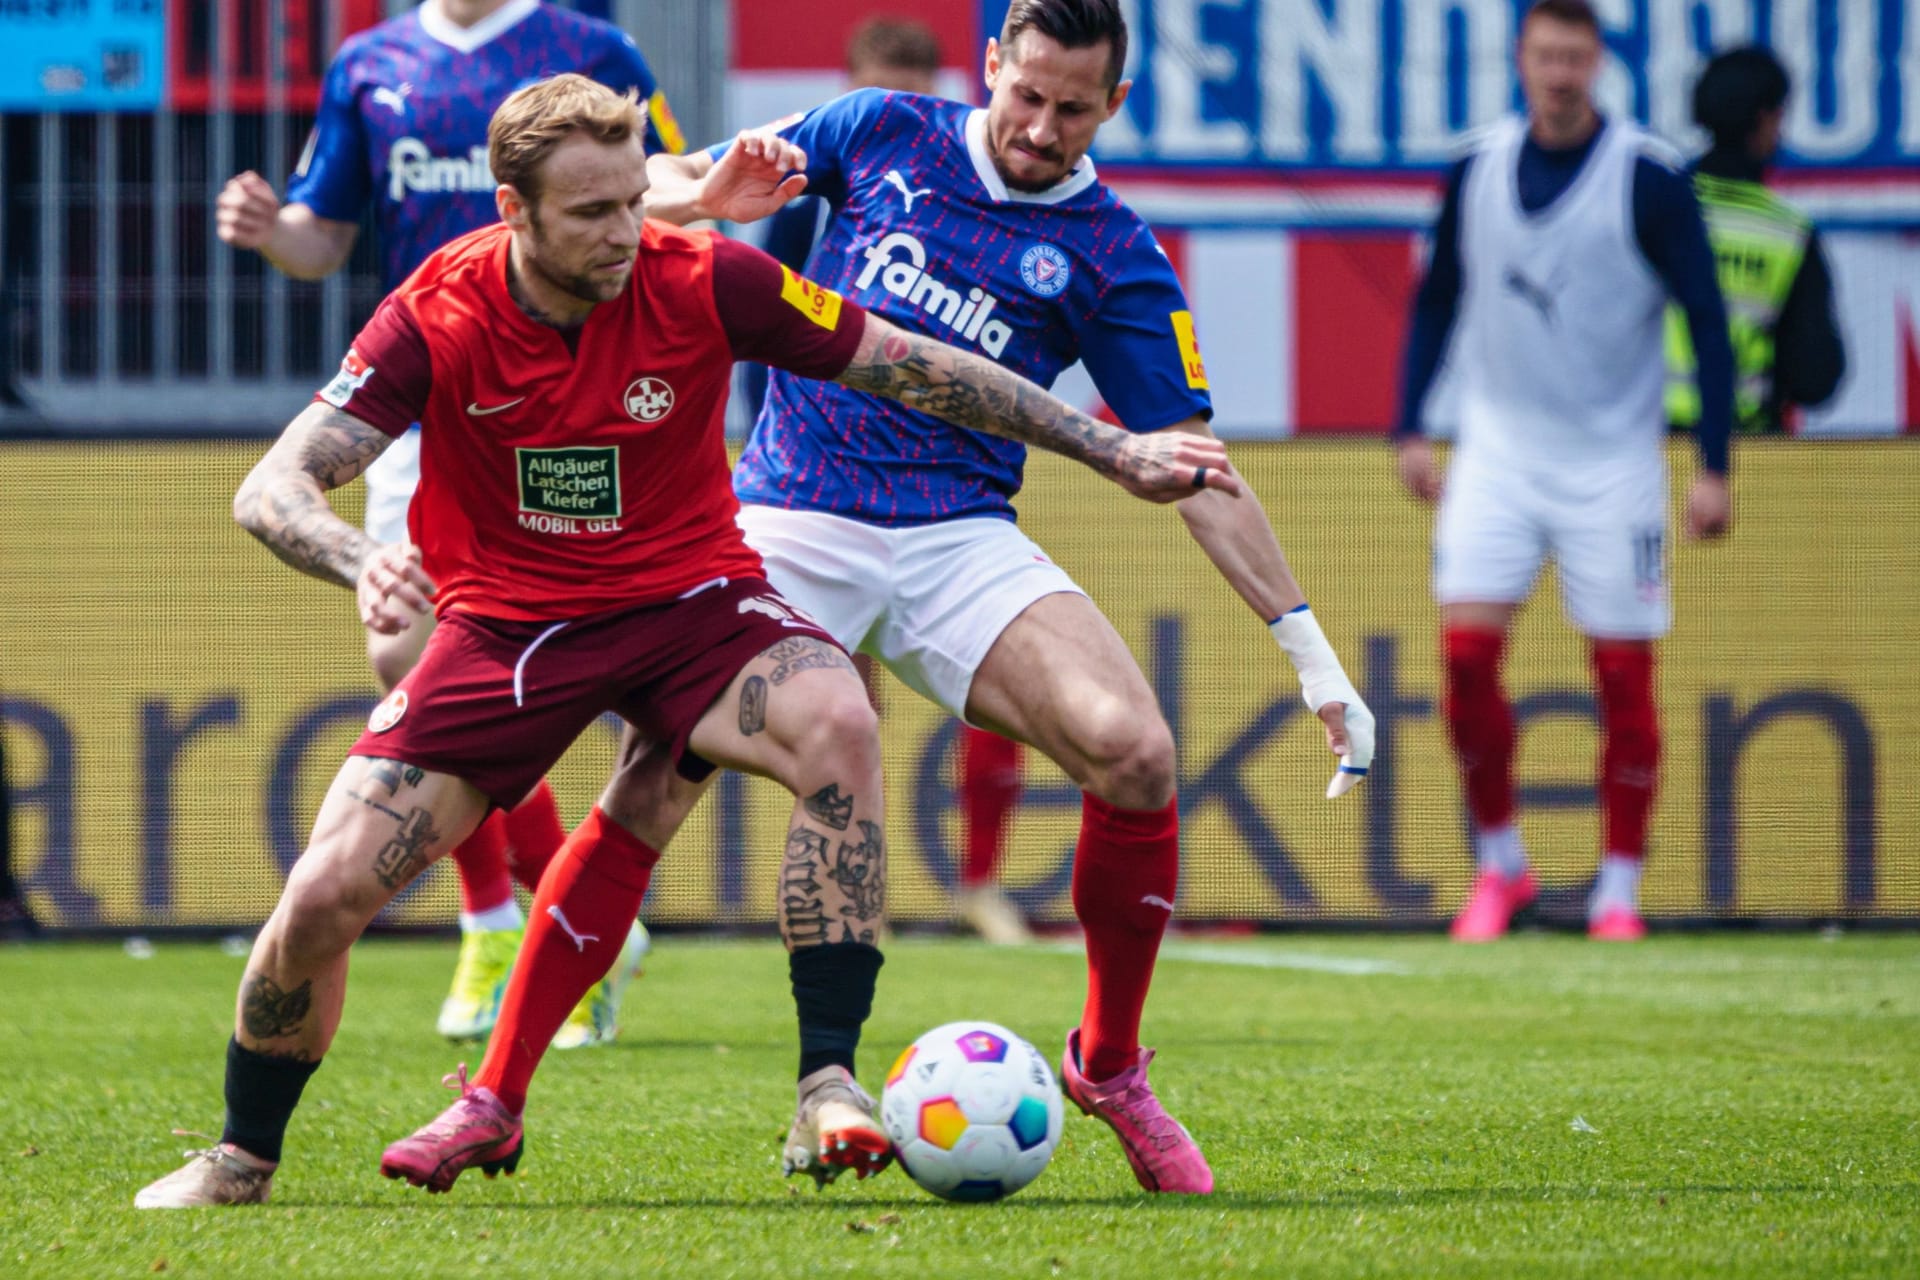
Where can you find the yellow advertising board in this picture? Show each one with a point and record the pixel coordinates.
(176, 701)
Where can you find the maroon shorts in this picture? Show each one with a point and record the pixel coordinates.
(498, 702)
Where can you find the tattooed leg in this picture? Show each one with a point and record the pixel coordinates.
(382, 823)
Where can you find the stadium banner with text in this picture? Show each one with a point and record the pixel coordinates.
(1288, 154)
(175, 702)
(81, 55)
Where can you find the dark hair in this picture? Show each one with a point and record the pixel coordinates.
(897, 43)
(1734, 89)
(1575, 13)
(1076, 24)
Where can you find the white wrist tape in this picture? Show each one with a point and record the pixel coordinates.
(1322, 678)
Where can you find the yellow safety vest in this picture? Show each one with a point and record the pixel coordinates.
(1759, 241)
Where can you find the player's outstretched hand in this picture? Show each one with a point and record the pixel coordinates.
(758, 174)
(393, 589)
(1350, 735)
(1166, 466)
(1418, 471)
(1709, 506)
(246, 211)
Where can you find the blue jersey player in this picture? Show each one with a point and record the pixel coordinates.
(990, 229)
(402, 130)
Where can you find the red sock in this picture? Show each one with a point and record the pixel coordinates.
(989, 789)
(1126, 869)
(534, 834)
(481, 860)
(596, 885)
(1630, 751)
(1480, 722)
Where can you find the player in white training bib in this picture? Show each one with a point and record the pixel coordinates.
(1562, 237)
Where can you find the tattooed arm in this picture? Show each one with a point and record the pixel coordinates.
(283, 503)
(972, 391)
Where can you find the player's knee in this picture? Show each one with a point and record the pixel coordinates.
(1137, 768)
(320, 915)
(839, 733)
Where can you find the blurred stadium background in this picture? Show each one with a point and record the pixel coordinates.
(175, 700)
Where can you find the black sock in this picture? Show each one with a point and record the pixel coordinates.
(262, 1092)
(833, 993)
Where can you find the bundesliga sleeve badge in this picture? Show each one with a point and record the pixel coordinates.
(388, 713)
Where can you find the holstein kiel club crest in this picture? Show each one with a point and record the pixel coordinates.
(1045, 270)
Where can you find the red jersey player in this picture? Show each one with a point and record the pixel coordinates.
(575, 528)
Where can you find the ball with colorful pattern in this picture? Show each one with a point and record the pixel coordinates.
(973, 1111)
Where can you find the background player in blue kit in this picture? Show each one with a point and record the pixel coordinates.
(402, 130)
(989, 229)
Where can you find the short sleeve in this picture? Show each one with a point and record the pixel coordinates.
(387, 373)
(1141, 347)
(828, 134)
(334, 179)
(781, 319)
(626, 68)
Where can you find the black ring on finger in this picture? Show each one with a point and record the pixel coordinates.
(1200, 478)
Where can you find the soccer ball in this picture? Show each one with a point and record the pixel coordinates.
(973, 1111)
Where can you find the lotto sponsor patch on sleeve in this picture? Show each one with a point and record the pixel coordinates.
(817, 303)
(1190, 360)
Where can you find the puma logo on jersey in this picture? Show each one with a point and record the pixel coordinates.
(1537, 296)
(899, 263)
(395, 100)
(895, 177)
(580, 940)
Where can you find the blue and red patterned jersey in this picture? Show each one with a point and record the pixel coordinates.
(926, 234)
(404, 112)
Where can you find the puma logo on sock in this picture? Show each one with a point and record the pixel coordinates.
(581, 940)
(1155, 900)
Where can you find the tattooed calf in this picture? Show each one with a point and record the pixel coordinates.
(801, 907)
(269, 1013)
(861, 872)
(832, 808)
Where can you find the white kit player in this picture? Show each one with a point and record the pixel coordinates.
(989, 229)
(1561, 240)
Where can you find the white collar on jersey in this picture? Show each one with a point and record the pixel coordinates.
(1065, 189)
(467, 39)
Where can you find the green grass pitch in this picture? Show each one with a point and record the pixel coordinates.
(1740, 1106)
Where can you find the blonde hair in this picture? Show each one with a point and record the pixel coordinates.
(535, 120)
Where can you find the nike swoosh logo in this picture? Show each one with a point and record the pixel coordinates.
(478, 412)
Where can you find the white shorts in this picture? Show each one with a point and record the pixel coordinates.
(1607, 536)
(391, 481)
(928, 601)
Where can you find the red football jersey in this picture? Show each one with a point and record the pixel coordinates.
(564, 474)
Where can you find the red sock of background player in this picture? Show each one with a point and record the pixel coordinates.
(1480, 722)
(1629, 767)
(486, 889)
(989, 789)
(534, 834)
(1126, 869)
(581, 914)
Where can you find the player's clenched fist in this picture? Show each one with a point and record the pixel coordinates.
(1418, 471)
(1167, 466)
(246, 211)
(393, 590)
